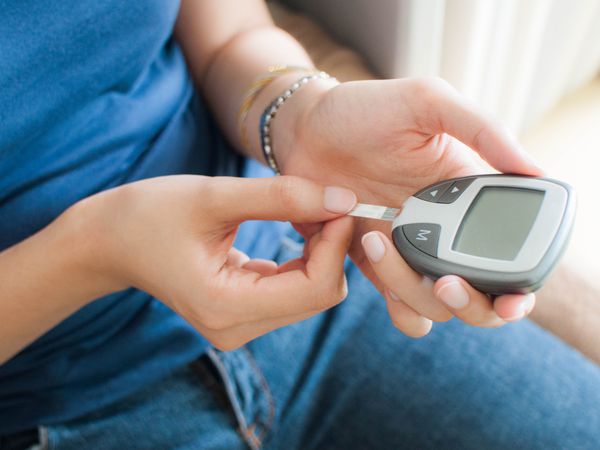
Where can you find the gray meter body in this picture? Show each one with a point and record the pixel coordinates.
(501, 233)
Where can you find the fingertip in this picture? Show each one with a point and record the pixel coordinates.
(452, 291)
(442, 281)
(405, 318)
(421, 331)
(338, 200)
(514, 307)
(533, 168)
(237, 258)
(344, 287)
(373, 244)
(264, 267)
(528, 165)
(501, 148)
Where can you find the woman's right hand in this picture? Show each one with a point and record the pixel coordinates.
(173, 238)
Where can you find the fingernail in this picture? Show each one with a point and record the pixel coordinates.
(454, 295)
(524, 308)
(345, 288)
(338, 200)
(393, 296)
(374, 247)
(427, 282)
(529, 303)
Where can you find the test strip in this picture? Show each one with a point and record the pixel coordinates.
(374, 212)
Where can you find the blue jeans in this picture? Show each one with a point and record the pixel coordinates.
(347, 379)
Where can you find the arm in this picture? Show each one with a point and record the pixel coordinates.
(227, 44)
(45, 279)
(349, 133)
(156, 236)
(569, 307)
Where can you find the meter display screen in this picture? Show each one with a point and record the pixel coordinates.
(498, 222)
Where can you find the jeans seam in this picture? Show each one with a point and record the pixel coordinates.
(268, 424)
(248, 437)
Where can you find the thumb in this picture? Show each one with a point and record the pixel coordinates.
(284, 198)
(460, 118)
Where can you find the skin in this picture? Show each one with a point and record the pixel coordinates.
(382, 139)
(325, 132)
(97, 247)
(421, 138)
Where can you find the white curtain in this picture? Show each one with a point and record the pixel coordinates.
(516, 58)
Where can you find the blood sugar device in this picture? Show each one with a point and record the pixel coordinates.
(501, 233)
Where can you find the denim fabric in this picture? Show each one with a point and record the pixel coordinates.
(346, 379)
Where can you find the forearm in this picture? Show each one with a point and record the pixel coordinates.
(43, 280)
(569, 307)
(225, 70)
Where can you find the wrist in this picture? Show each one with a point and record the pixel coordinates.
(288, 125)
(90, 257)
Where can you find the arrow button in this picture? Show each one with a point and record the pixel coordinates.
(433, 193)
(455, 191)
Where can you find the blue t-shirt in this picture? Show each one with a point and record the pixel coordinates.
(93, 95)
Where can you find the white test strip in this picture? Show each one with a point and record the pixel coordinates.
(374, 212)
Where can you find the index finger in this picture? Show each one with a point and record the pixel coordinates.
(283, 198)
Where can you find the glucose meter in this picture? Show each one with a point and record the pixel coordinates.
(501, 233)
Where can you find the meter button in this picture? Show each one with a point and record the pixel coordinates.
(455, 191)
(433, 193)
(424, 236)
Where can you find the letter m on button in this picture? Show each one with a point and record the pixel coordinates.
(422, 235)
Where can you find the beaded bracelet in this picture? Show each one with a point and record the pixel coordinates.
(257, 86)
(269, 114)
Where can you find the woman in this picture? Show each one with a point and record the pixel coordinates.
(120, 297)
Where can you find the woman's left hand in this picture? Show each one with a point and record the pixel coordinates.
(385, 140)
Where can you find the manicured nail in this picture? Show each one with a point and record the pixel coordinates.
(523, 308)
(345, 288)
(453, 295)
(427, 282)
(529, 303)
(374, 247)
(393, 296)
(338, 200)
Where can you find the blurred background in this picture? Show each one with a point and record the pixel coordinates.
(534, 64)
